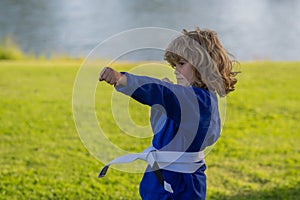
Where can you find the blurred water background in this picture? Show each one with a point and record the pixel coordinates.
(249, 29)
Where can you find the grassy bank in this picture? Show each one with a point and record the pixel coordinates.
(42, 157)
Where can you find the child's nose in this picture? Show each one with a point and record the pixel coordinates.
(177, 69)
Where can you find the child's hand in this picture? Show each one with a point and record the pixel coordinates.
(112, 77)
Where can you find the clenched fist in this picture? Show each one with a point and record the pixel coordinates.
(112, 77)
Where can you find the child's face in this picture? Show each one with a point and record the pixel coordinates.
(184, 73)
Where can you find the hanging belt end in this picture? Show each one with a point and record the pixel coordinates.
(103, 171)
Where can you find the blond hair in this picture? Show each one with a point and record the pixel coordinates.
(212, 63)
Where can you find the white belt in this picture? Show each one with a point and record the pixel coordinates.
(183, 162)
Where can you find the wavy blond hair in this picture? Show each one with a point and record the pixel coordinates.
(213, 65)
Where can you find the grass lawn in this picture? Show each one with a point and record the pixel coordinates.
(42, 157)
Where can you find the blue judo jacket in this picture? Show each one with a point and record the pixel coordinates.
(184, 119)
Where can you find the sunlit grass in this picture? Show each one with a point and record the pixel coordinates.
(42, 157)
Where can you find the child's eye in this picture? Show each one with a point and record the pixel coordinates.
(181, 63)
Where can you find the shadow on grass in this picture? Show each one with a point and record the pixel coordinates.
(279, 193)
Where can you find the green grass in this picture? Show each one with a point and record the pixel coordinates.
(9, 50)
(42, 157)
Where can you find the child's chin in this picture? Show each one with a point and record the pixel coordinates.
(183, 83)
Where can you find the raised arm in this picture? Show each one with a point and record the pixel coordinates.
(150, 91)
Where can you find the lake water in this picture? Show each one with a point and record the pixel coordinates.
(249, 29)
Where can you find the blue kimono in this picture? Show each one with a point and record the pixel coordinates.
(184, 119)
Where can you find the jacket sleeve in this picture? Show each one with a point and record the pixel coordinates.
(175, 99)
